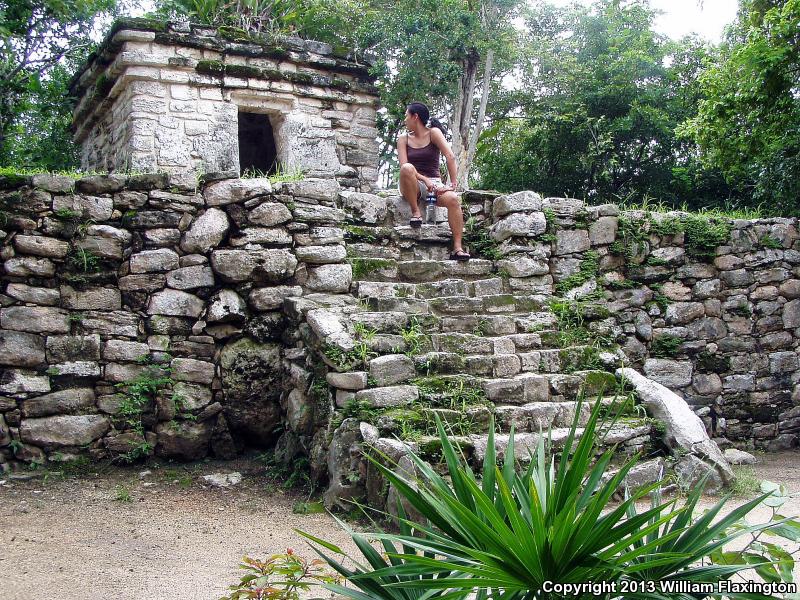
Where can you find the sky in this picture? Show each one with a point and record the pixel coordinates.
(706, 18)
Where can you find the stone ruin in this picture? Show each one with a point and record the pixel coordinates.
(182, 98)
(309, 317)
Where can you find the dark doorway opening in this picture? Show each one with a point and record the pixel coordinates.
(257, 150)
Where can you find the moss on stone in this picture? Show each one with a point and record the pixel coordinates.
(599, 382)
(244, 71)
(711, 363)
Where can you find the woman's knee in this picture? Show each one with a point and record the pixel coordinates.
(450, 200)
(408, 170)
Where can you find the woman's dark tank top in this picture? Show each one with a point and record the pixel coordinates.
(425, 160)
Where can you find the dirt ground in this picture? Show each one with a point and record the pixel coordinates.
(166, 534)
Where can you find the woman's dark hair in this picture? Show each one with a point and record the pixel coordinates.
(419, 109)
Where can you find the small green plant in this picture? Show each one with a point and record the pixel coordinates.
(588, 270)
(67, 214)
(479, 241)
(549, 235)
(279, 577)
(355, 409)
(747, 484)
(703, 235)
(15, 446)
(363, 332)
(481, 328)
(141, 392)
(767, 241)
(665, 346)
(365, 266)
(361, 353)
(122, 494)
(355, 233)
(83, 260)
(413, 337)
(53, 371)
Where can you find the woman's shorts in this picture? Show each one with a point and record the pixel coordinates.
(423, 189)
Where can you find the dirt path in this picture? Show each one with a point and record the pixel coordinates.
(71, 538)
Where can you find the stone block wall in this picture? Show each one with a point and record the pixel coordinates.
(166, 98)
(141, 317)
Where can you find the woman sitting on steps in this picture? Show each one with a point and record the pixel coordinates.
(419, 151)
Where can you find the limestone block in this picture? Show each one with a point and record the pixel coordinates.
(19, 349)
(175, 303)
(367, 208)
(148, 282)
(306, 213)
(320, 255)
(691, 471)
(316, 189)
(41, 246)
(97, 298)
(564, 206)
(681, 313)
(206, 232)
(707, 384)
(385, 397)
(330, 278)
(154, 261)
(119, 373)
(183, 439)
(18, 381)
(102, 247)
(66, 348)
(188, 278)
(259, 266)
(124, 351)
(92, 207)
(261, 235)
(269, 214)
(603, 231)
(28, 266)
(57, 184)
(571, 241)
(709, 288)
(519, 202)
(192, 396)
(669, 373)
(353, 381)
(192, 370)
(230, 191)
(78, 368)
(162, 238)
(271, 298)
(519, 225)
(391, 369)
(35, 319)
(60, 431)
(524, 266)
(783, 362)
(34, 295)
(299, 413)
(791, 314)
(671, 256)
(790, 289)
(226, 307)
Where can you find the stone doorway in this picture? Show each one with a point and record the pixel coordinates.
(257, 150)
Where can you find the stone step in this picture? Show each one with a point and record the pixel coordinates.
(434, 270)
(387, 321)
(433, 289)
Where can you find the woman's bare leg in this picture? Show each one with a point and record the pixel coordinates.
(455, 217)
(409, 187)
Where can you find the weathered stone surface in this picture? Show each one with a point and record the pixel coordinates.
(91, 298)
(681, 313)
(570, 241)
(195, 371)
(191, 396)
(318, 214)
(346, 464)
(320, 255)
(299, 413)
(19, 349)
(367, 208)
(34, 295)
(223, 480)
(61, 402)
(384, 397)
(603, 231)
(162, 238)
(190, 278)
(261, 235)
(206, 232)
(317, 236)
(17, 381)
(259, 266)
(391, 369)
(519, 202)
(154, 261)
(104, 248)
(175, 303)
(269, 214)
(226, 306)
(76, 368)
(519, 225)
(791, 314)
(707, 384)
(691, 472)
(29, 266)
(60, 184)
(107, 324)
(124, 351)
(353, 381)
(252, 379)
(316, 189)
(66, 348)
(41, 246)
(184, 440)
(670, 373)
(330, 278)
(60, 431)
(683, 428)
(34, 319)
(230, 191)
(272, 298)
(92, 207)
(739, 457)
(524, 266)
(324, 323)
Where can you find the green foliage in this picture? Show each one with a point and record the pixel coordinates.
(122, 494)
(748, 120)
(703, 235)
(450, 393)
(355, 409)
(279, 577)
(665, 346)
(588, 271)
(366, 266)
(711, 363)
(600, 97)
(511, 528)
(84, 261)
(767, 241)
(478, 240)
(574, 325)
(279, 175)
(414, 337)
(138, 395)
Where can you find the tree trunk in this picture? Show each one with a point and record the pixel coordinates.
(463, 169)
(462, 111)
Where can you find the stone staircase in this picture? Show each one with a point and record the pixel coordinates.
(420, 335)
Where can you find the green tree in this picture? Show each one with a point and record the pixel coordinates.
(37, 39)
(748, 123)
(595, 114)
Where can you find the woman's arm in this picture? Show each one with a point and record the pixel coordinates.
(437, 137)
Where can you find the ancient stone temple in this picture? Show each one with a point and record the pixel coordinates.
(184, 98)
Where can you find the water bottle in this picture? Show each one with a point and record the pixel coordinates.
(430, 208)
